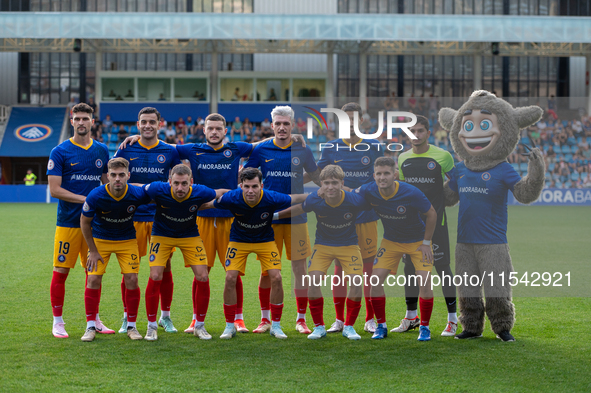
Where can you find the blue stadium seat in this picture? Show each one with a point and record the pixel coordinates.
(579, 139)
(431, 140)
(322, 138)
(564, 123)
(523, 167)
(133, 130)
(565, 149)
(568, 184)
(568, 157)
(515, 166)
(113, 138)
(525, 140)
(574, 176)
(551, 166)
(548, 177)
(546, 147)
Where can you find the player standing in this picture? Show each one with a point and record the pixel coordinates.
(357, 163)
(75, 167)
(399, 206)
(282, 164)
(107, 226)
(425, 167)
(150, 160)
(252, 232)
(175, 225)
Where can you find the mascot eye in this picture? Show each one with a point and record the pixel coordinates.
(485, 125)
(468, 126)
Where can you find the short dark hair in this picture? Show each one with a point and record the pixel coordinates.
(352, 107)
(82, 107)
(385, 161)
(118, 162)
(250, 173)
(181, 169)
(423, 121)
(215, 117)
(148, 110)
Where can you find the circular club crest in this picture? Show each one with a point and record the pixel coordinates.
(264, 216)
(365, 160)
(99, 163)
(61, 258)
(431, 165)
(131, 209)
(193, 208)
(152, 258)
(295, 161)
(348, 216)
(161, 159)
(401, 209)
(50, 164)
(227, 153)
(85, 207)
(227, 262)
(33, 132)
(486, 176)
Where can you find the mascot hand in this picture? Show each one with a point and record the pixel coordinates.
(532, 154)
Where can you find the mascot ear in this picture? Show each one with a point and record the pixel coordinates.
(528, 115)
(446, 118)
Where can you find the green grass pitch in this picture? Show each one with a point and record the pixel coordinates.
(552, 351)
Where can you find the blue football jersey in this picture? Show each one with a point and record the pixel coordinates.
(215, 168)
(252, 224)
(148, 164)
(113, 217)
(357, 164)
(336, 224)
(283, 170)
(400, 212)
(81, 169)
(483, 202)
(177, 218)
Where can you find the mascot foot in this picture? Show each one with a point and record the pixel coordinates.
(505, 336)
(465, 334)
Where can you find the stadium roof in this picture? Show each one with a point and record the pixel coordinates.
(255, 33)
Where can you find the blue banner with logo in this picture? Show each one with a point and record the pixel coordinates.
(560, 197)
(32, 132)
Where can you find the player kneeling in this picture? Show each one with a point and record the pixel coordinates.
(251, 232)
(399, 206)
(107, 226)
(336, 238)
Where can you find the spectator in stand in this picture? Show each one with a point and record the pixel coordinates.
(587, 180)
(412, 104)
(122, 133)
(107, 124)
(129, 94)
(422, 106)
(247, 126)
(170, 132)
(534, 135)
(441, 136)
(180, 125)
(189, 123)
(71, 104)
(266, 125)
(552, 107)
(94, 107)
(96, 132)
(161, 97)
(180, 136)
(301, 126)
(237, 130)
(551, 154)
(563, 171)
(163, 123)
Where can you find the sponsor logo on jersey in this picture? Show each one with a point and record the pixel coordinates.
(152, 257)
(131, 209)
(375, 261)
(161, 158)
(264, 216)
(74, 163)
(486, 176)
(295, 161)
(85, 207)
(274, 254)
(302, 242)
(348, 216)
(143, 169)
(309, 263)
(193, 208)
(422, 180)
(86, 177)
(227, 153)
(50, 164)
(61, 258)
(406, 164)
(215, 166)
(365, 160)
(335, 161)
(33, 132)
(282, 174)
(227, 262)
(99, 163)
(431, 165)
(474, 190)
(401, 209)
(269, 160)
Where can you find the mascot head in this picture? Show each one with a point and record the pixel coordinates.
(485, 130)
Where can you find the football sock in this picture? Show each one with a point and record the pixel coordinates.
(199, 324)
(266, 314)
(58, 320)
(133, 303)
(452, 317)
(164, 313)
(194, 317)
(123, 295)
(57, 291)
(91, 299)
(152, 298)
(339, 295)
(317, 311)
(153, 325)
(276, 311)
(301, 317)
(239, 316)
(367, 269)
(301, 296)
(379, 308)
(125, 314)
(229, 313)
(353, 308)
(411, 314)
(264, 299)
(130, 325)
(426, 306)
(239, 296)
(90, 324)
(166, 289)
(193, 295)
(202, 300)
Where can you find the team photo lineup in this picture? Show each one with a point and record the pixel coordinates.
(231, 199)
